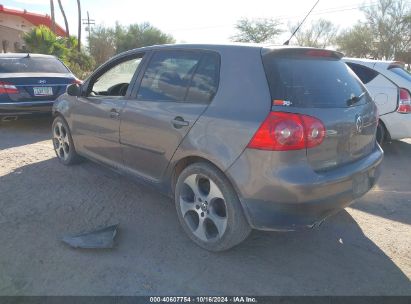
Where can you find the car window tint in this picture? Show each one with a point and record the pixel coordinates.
(401, 72)
(116, 80)
(205, 80)
(308, 82)
(168, 76)
(365, 74)
(32, 65)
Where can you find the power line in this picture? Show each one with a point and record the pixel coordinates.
(284, 17)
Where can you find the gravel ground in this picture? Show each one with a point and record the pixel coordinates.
(364, 250)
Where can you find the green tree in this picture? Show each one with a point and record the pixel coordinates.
(320, 34)
(357, 42)
(389, 23)
(105, 42)
(43, 41)
(139, 35)
(257, 30)
(102, 42)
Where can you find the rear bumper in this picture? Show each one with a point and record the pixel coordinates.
(25, 108)
(398, 124)
(293, 196)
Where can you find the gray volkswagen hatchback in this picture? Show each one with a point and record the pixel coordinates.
(242, 137)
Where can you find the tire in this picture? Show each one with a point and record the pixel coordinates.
(381, 133)
(208, 208)
(63, 142)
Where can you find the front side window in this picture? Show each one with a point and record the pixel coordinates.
(116, 80)
(180, 76)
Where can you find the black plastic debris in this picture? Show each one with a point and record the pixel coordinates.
(97, 239)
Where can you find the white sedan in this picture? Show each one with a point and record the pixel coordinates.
(389, 85)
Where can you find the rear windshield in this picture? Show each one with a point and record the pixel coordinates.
(401, 72)
(31, 65)
(312, 82)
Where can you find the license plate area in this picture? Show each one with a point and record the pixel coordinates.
(43, 91)
(361, 184)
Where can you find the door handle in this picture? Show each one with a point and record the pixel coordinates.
(114, 113)
(179, 122)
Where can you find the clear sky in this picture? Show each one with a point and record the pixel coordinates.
(193, 21)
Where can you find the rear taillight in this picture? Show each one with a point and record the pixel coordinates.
(404, 104)
(8, 88)
(283, 131)
(77, 81)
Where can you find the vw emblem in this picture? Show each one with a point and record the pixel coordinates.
(42, 81)
(359, 123)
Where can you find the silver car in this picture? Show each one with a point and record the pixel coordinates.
(242, 137)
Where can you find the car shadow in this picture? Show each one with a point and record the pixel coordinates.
(41, 202)
(24, 131)
(393, 188)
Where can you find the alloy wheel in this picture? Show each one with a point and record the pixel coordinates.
(61, 141)
(203, 207)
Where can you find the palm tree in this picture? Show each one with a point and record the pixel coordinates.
(65, 21)
(79, 26)
(53, 20)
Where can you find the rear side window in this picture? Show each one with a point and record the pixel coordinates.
(180, 76)
(365, 74)
(32, 65)
(401, 72)
(205, 80)
(311, 81)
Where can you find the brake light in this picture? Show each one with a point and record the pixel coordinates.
(283, 131)
(319, 53)
(404, 104)
(8, 88)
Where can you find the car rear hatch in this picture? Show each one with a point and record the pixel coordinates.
(317, 83)
(33, 79)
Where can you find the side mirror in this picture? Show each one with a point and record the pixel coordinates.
(74, 90)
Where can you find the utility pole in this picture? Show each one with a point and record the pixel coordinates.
(89, 22)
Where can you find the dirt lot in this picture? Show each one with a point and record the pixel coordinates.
(365, 250)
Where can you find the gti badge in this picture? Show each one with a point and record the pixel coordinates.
(42, 81)
(359, 123)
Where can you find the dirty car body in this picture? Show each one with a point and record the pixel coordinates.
(292, 129)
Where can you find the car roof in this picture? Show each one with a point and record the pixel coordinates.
(222, 47)
(22, 55)
(384, 64)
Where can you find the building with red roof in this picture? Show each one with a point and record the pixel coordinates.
(14, 23)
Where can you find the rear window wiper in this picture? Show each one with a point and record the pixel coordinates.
(354, 99)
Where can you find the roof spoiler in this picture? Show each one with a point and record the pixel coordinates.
(396, 64)
(302, 52)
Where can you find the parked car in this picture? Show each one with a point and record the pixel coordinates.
(240, 136)
(30, 83)
(389, 85)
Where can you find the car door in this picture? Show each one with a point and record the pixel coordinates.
(175, 89)
(96, 115)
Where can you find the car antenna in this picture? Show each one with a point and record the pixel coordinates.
(298, 27)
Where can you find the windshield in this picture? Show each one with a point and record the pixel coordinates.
(312, 82)
(401, 72)
(32, 65)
